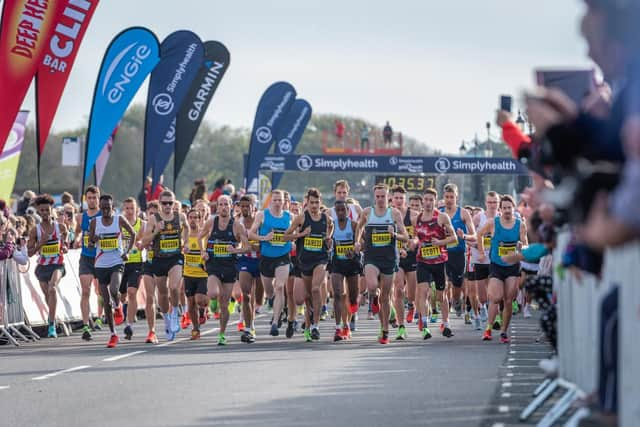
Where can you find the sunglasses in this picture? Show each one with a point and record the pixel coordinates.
(166, 203)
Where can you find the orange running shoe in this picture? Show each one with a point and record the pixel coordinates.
(441, 327)
(240, 326)
(487, 335)
(185, 322)
(375, 305)
(216, 315)
(420, 324)
(384, 338)
(113, 341)
(410, 313)
(195, 335)
(152, 338)
(353, 308)
(118, 315)
(346, 332)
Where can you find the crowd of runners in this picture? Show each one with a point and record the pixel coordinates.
(409, 259)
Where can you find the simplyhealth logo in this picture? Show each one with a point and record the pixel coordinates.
(123, 69)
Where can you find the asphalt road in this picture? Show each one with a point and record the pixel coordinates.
(276, 381)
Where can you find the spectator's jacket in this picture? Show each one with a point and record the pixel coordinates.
(6, 250)
(514, 138)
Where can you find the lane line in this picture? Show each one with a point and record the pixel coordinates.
(123, 356)
(4, 387)
(65, 371)
(503, 409)
(506, 395)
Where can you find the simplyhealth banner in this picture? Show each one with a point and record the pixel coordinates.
(272, 109)
(181, 55)
(215, 65)
(57, 61)
(26, 29)
(290, 132)
(129, 59)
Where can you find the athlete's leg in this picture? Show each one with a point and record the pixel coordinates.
(85, 284)
(399, 285)
(150, 301)
(132, 306)
(317, 286)
(510, 291)
(282, 274)
(175, 280)
(291, 305)
(223, 298)
(337, 285)
(495, 295)
(386, 284)
(246, 285)
(163, 293)
(192, 308)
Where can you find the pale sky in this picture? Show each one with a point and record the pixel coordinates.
(434, 69)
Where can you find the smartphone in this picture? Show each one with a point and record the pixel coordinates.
(506, 102)
(577, 84)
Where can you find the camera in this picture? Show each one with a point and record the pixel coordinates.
(31, 211)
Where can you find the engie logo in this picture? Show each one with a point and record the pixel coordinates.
(285, 146)
(443, 165)
(304, 163)
(162, 104)
(126, 71)
(263, 135)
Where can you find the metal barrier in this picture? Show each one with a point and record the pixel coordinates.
(12, 319)
(579, 301)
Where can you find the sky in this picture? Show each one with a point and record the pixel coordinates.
(434, 69)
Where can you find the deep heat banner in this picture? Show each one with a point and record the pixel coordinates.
(181, 55)
(216, 63)
(272, 109)
(129, 59)
(26, 29)
(10, 157)
(55, 67)
(290, 132)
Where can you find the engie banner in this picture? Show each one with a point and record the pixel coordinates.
(181, 55)
(129, 59)
(216, 63)
(272, 109)
(26, 29)
(57, 61)
(290, 132)
(10, 157)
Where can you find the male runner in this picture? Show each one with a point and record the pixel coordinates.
(313, 230)
(167, 230)
(194, 274)
(223, 234)
(86, 268)
(268, 228)
(463, 225)
(415, 204)
(133, 267)
(381, 227)
(48, 239)
(434, 233)
(508, 234)
(105, 231)
(248, 270)
(147, 279)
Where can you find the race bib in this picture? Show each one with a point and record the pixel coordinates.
(380, 239)
(487, 241)
(108, 244)
(85, 240)
(193, 260)
(169, 245)
(506, 249)
(430, 252)
(343, 250)
(220, 250)
(313, 244)
(452, 245)
(149, 255)
(410, 230)
(50, 250)
(278, 238)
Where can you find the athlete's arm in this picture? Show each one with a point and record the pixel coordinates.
(149, 232)
(206, 230)
(253, 232)
(32, 244)
(184, 223)
(362, 222)
(524, 239)
(445, 222)
(291, 233)
(470, 237)
(78, 241)
(63, 238)
(241, 236)
(401, 234)
(92, 233)
(486, 229)
(123, 223)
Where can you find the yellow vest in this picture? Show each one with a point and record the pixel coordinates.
(135, 255)
(193, 262)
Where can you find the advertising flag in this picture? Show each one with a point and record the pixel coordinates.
(10, 157)
(25, 30)
(103, 158)
(272, 109)
(56, 64)
(290, 132)
(181, 55)
(129, 59)
(216, 62)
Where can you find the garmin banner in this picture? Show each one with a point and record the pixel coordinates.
(129, 59)
(25, 30)
(57, 61)
(272, 109)
(181, 55)
(290, 132)
(393, 164)
(216, 62)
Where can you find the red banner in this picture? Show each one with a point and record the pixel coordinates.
(27, 26)
(57, 61)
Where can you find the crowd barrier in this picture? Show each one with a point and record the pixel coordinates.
(12, 320)
(579, 304)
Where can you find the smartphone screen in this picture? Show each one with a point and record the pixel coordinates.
(576, 84)
(505, 103)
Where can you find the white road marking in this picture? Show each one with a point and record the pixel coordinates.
(510, 374)
(506, 385)
(498, 425)
(123, 356)
(65, 371)
(503, 409)
(4, 387)
(506, 395)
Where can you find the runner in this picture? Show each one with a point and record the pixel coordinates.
(149, 283)
(381, 226)
(406, 275)
(296, 292)
(105, 231)
(133, 267)
(195, 275)
(434, 233)
(508, 234)
(48, 240)
(269, 228)
(313, 231)
(86, 268)
(465, 231)
(223, 235)
(248, 270)
(167, 230)
(415, 204)
(345, 265)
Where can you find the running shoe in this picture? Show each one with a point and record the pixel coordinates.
(393, 321)
(467, 319)
(426, 334)
(240, 326)
(346, 332)
(497, 324)
(477, 324)
(447, 332)
(113, 341)
(370, 316)
(222, 340)
(204, 315)
(307, 335)
(458, 308)
(315, 333)
(98, 324)
(171, 336)
(290, 330)
(185, 321)
(420, 324)
(402, 333)
(128, 332)
(167, 324)
(483, 313)
(337, 336)
(195, 335)
(151, 338)
(175, 321)
(247, 337)
(434, 318)
(274, 332)
(375, 305)
(504, 338)
(51, 332)
(384, 337)
(216, 315)
(86, 333)
(353, 308)
(118, 316)
(300, 310)
(410, 313)
(232, 307)
(324, 314)
(352, 323)
(487, 335)
(441, 327)
(213, 305)
(526, 313)
(515, 307)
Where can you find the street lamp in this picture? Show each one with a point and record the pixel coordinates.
(488, 148)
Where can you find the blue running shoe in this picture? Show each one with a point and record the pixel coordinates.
(51, 332)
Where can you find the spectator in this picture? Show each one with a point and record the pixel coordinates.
(155, 194)
(217, 191)
(67, 198)
(7, 244)
(199, 191)
(4, 209)
(340, 128)
(387, 133)
(25, 201)
(364, 137)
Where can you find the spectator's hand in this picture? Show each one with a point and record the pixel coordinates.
(552, 108)
(598, 103)
(597, 227)
(502, 117)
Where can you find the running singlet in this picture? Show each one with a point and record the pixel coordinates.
(313, 247)
(109, 247)
(168, 242)
(352, 213)
(86, 221)
(426, 231)
(135, 256)
(219, 240)
(504, 242)
(380, 243)
(50, 252)
(343, 243)
(251, 254)
(486, 240)
(457, 222)
(193, 262)
(276, 247)
(410, 231)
